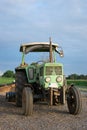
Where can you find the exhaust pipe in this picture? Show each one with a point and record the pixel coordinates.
(50, 53)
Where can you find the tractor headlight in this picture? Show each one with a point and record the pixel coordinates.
(47, 79)
(59, 79)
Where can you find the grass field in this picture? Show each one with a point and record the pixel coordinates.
(82, 84)
(78, 82)
(4, 80)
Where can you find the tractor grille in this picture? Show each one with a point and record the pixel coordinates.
(54, 70)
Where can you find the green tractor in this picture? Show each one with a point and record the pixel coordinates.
(44, 80)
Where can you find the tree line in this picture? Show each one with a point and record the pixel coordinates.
(11, 74)
(76, 76)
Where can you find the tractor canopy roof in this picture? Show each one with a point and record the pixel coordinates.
(37, 47)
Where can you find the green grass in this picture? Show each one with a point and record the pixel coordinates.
(4, 80)
(81, 84)
(78, 82)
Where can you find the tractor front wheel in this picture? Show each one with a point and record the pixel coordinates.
(27, 101)
(74, 101)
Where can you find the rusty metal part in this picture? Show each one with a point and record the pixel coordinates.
(51, 56)
(51, 96)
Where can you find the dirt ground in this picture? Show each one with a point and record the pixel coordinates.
(43, 118)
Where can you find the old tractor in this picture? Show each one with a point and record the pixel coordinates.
(44, 80)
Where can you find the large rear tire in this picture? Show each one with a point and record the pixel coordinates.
(20, 81)
(27, 101)
(74, 101)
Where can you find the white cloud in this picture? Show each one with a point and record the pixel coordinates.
(1, 73)
(32, 20)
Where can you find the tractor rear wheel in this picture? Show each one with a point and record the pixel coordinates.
(74, 101)
(27, 101)
(20, 81)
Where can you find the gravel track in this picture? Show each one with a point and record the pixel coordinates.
(43, 118)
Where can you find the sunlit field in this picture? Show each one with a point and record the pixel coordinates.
(4, 80)
(82, 84)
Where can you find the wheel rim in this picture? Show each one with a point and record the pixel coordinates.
(72, 101)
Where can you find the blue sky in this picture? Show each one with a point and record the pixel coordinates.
(24, 21)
